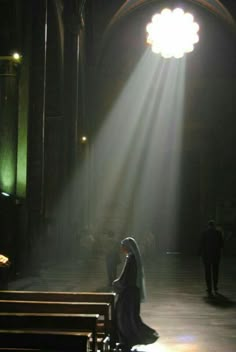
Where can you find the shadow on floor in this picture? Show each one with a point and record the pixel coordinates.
(219, 300)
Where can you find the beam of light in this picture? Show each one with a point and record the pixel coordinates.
(128, 181)
(159, 186)
(138, 151)
(172, 33)
(126, 132)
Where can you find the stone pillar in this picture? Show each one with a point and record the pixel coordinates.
(36, 120)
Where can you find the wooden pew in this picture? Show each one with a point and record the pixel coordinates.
(51, 321)
(11, 306)
(45, 339)
(106, 297)
(57, 307)
(100, 297)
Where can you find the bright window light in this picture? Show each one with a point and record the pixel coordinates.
(172, 33)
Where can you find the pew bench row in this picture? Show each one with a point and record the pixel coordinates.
(90, 322)
(44, 340)
(55, 322)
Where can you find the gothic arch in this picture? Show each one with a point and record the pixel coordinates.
(213, 6)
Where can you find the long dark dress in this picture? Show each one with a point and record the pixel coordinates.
(129, 326)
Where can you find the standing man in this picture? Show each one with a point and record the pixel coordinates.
(210, 251)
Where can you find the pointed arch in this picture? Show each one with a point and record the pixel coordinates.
(213, 6)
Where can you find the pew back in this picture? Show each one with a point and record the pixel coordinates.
(57, 307)
(51, 321)
(99, 297)
(39, 339)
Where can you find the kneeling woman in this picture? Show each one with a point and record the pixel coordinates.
(130, 287)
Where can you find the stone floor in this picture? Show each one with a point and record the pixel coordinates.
(176, 304)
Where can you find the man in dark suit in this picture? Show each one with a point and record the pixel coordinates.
(210, 250)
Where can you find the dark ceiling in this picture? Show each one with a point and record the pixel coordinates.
(10, 22)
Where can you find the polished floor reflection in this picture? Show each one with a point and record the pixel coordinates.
(177, 305)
